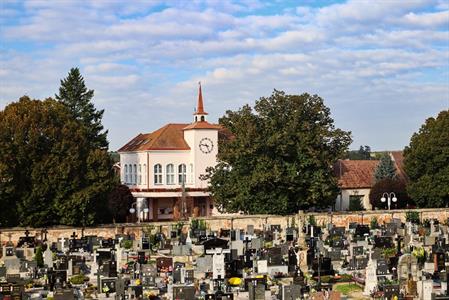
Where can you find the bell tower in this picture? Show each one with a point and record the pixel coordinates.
(200, 114)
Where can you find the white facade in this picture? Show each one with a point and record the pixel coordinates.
(164, 169)
(140, 170)
(342, 201)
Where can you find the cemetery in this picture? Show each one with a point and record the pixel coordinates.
(373, 258)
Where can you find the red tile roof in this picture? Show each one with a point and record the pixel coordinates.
(169, 137)
(353, 174)
(202, 125)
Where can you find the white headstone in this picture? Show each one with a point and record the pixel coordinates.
(262, 266)
(48, 258)
(70, 268)
(427, 287)
(63, 248)
(370, 275)
(218, 264)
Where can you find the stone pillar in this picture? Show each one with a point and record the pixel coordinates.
(155, 208)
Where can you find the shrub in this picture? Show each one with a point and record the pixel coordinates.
(39, 257)
(77, 279)
(412, 216)
(312, 220)
(373, 223)
(355, 204)
(127, 244)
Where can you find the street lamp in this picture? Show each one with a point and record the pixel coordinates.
(390, 197)
(137, 209)
(145, 211)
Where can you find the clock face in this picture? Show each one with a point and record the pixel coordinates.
(206, 145)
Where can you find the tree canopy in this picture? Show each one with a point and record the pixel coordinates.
(364, 153)
(119, 201)
(49, 172)
(426, 162)
(388, 185)
(385, 169)
(280, 157)
(74, 94)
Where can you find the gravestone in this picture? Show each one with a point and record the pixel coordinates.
(370, 275)
(237, 245)
(262, 266)
(256, 243)
(204, 264)
(250, 229)
(48, 258)
(184, 292)
(391, 291)
(382, 267)
(256, 291)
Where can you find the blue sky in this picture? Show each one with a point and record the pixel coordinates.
(381, 66)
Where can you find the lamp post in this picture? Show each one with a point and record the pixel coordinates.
(391, 197)
(137, 211)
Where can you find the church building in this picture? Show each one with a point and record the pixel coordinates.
(163, 168)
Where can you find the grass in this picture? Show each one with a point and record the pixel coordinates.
(347, 288)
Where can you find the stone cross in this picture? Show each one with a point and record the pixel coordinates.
(218, 269)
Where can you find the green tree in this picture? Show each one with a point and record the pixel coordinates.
(385, 169)
(120, 200)
(388, 185)
(74, 94)
(39, 257)
(49, 174)
(426, 162)
(279, 158)
(364, 153)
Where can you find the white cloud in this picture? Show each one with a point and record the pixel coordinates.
(434, 19)
(145, 58)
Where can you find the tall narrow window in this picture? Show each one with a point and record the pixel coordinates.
(182, 173)
(170, 174)
(157, 174)
(135, 174)
(144, 173)
(191, 173)
(126, 174)
(140, 174)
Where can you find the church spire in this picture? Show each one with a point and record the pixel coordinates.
(200, 106)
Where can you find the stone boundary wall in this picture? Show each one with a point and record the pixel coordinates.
(227, 222)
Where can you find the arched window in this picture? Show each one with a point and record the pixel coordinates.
(126, 174)
(191, 174)
(135, 174)
(170, 174)
(182, 173)
(140, 174)
(144, 173)
(158, 174)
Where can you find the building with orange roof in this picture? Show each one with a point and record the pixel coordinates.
(356, 178)
(164, 168)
